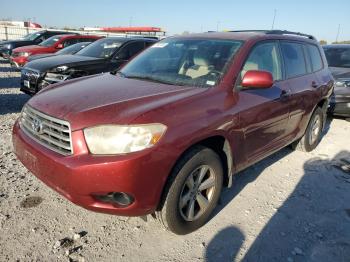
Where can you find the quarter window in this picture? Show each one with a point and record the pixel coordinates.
(315, 57)
(264, 57)
(293, 56)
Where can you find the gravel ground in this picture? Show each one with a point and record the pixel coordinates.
(292, 206)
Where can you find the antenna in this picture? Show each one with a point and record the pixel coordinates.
(274, 17)
(336, 39)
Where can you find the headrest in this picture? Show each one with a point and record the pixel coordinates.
(200, 58)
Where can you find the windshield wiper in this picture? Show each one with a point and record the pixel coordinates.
(151, 79)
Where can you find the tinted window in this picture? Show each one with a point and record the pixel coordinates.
(69, 42)
(338, 56)
(264, 57)
(131, 49)
(315, 56)
(293, 56)
(73, 48)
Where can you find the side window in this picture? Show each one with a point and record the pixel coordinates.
(294, 60)
(315, 57)
(69, 42)
(149, 43)
(130, 50)
(264, 57)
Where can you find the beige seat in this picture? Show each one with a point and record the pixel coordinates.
(200, 66)
(249, 66)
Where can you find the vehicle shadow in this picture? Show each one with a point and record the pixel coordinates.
(12, 103)
(10, 82)
(313, 223)
(225, 245)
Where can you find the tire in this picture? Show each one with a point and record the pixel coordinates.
(313, 133)
(175, 213)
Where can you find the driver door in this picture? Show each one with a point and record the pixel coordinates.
(265, 112)
(126, 53)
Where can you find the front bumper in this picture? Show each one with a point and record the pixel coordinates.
(81, 176)
(340, 106)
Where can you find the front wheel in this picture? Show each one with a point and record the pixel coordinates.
(313, 133)
(192, 191)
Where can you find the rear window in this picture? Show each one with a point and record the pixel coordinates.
(315, 56)
(294, 60)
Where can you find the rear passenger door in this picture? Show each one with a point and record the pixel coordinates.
(302, 83)
(264, 114)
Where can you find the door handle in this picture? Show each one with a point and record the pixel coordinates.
(285, 94)
(314, 84)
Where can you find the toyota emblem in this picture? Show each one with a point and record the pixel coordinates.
(37, 126)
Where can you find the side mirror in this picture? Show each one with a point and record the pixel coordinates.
(257, 79)
(59, 46)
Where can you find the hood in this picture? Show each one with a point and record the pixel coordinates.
(16, 43)
(31, 49)
(35, 57)
(340, 72)
(106, 99)
(47, 63)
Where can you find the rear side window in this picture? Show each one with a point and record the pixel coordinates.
(315, 56)
(294, 60)
(264, 57)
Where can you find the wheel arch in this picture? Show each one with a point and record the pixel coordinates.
(220, 145)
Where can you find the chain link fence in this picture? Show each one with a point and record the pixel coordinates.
(14, 32)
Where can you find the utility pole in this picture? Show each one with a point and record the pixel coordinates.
(274, 17)
(336, 39)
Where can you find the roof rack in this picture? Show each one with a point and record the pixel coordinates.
(276, 32)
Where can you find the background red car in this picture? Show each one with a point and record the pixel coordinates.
(53, 44)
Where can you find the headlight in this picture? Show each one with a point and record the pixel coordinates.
(23, 54)
(8, 46)
(121, 139)
(340, 84)
(61, 68)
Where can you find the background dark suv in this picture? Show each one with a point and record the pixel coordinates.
(338, 57)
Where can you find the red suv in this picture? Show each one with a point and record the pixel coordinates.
(53, 44)
(164, 134)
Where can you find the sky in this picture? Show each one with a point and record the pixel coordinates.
(320, 18)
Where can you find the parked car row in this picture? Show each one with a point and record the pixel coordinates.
(165, 132)
(104, 55)
(19, 56)
(6, 47)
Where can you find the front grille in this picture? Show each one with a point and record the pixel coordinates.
(51, 132)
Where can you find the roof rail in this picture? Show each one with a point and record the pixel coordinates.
(276, 32)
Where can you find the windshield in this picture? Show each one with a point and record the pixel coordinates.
(338, 56)
(50, 41)
(187, 62)
(103, 48)
(73, 48)
(31, 37)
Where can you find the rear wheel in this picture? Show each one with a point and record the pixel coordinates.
(313, 133)
(192, 191)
